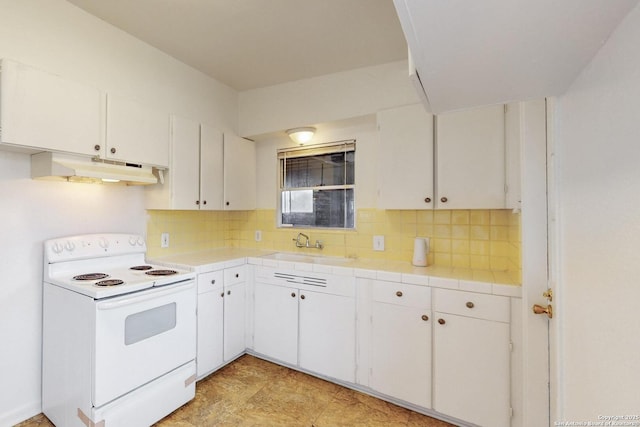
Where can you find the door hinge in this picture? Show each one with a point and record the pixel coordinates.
(505, 108)
(506, 189)
(510, 412)
(511, 346)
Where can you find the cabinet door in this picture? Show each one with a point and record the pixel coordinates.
(44, 111)
(471, 374)
(210, 321)
(327, 335)
(136, 133)
(406, 158)
(183, 172)
(239, 173)
(401, 352)
(470, 150)
(211, 168)
(234, 320)
(275, 328)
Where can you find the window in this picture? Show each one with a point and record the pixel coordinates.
(317, 185)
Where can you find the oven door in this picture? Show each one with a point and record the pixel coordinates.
(142, 336)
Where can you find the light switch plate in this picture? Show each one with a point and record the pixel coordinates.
(164, 240)
(258, 235)
(378, 243)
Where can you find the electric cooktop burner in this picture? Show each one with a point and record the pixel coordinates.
(110, 282)
(141, 267)
(91, 276)
(161, 272)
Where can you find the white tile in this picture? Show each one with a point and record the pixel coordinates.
(364, 273)
(415, 279)
(269, 263)
(303, 266)
(389, 276)
(514, 291)
(472, 286)
(319, 268)
(342, 271)
(443, 282)
(254, 261)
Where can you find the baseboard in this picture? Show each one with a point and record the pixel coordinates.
(20, 414)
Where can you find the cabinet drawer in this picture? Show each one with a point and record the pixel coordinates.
(210, 281)
(235, 275)
(479, 306)
(402, 294)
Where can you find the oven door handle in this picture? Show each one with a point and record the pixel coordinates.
(147, 296)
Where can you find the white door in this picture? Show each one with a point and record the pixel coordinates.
(136, 133)
(185, 156)
(328, 335)
(535, 345)
(401, 352)
(470, 150)
(275, 330)
(471, 378)
(234, 320)
(42, 110)
(210, 330)
(134, 334)
(405, 178)
(211, 164)
(239, 173)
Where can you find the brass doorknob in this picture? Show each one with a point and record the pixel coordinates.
(427, 199)
(399, 293)
(444, 199)
(425, 317)
(538, 309)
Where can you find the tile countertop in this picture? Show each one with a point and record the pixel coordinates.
(482, 281)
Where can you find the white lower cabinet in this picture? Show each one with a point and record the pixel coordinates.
(275, 330)
(401, 342)
(221, 318)
(327, 335)
(471, 357)
(210, 322)
(234, 320)
(310, 329)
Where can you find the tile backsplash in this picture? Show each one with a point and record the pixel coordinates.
(476, 239)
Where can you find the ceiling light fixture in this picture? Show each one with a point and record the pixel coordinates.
(301, 135)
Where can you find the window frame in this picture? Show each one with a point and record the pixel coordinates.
(343, 146)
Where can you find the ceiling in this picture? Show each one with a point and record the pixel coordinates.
(248, 44)
(468, 53)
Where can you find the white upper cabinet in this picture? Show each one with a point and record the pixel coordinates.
(406, 158)
(211, 168)
(239, 173)
(470, 159)
(44, 111)
(136, 133)
(194, 178)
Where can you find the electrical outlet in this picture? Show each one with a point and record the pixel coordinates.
(258, 235)
(378, 243)
(164, 240)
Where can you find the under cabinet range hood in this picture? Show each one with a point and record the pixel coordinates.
(63, 167)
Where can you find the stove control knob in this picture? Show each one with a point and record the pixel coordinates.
(103, 242)
(132, 240)
(140, 241)
(70, 246)
(57, 247)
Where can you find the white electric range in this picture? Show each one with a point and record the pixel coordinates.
(119, 334)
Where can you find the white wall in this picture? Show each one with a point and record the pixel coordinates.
(598, 184)
(58, 37)
(327, 98)
(362, 129)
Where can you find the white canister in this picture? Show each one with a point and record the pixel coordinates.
(420, 250)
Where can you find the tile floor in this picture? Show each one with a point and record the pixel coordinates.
(254, 392)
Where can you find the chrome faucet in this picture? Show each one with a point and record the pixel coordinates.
(305, 244)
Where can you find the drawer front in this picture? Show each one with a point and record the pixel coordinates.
(479, 306)
(402, 294)
(210, 281)
(235, 275)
